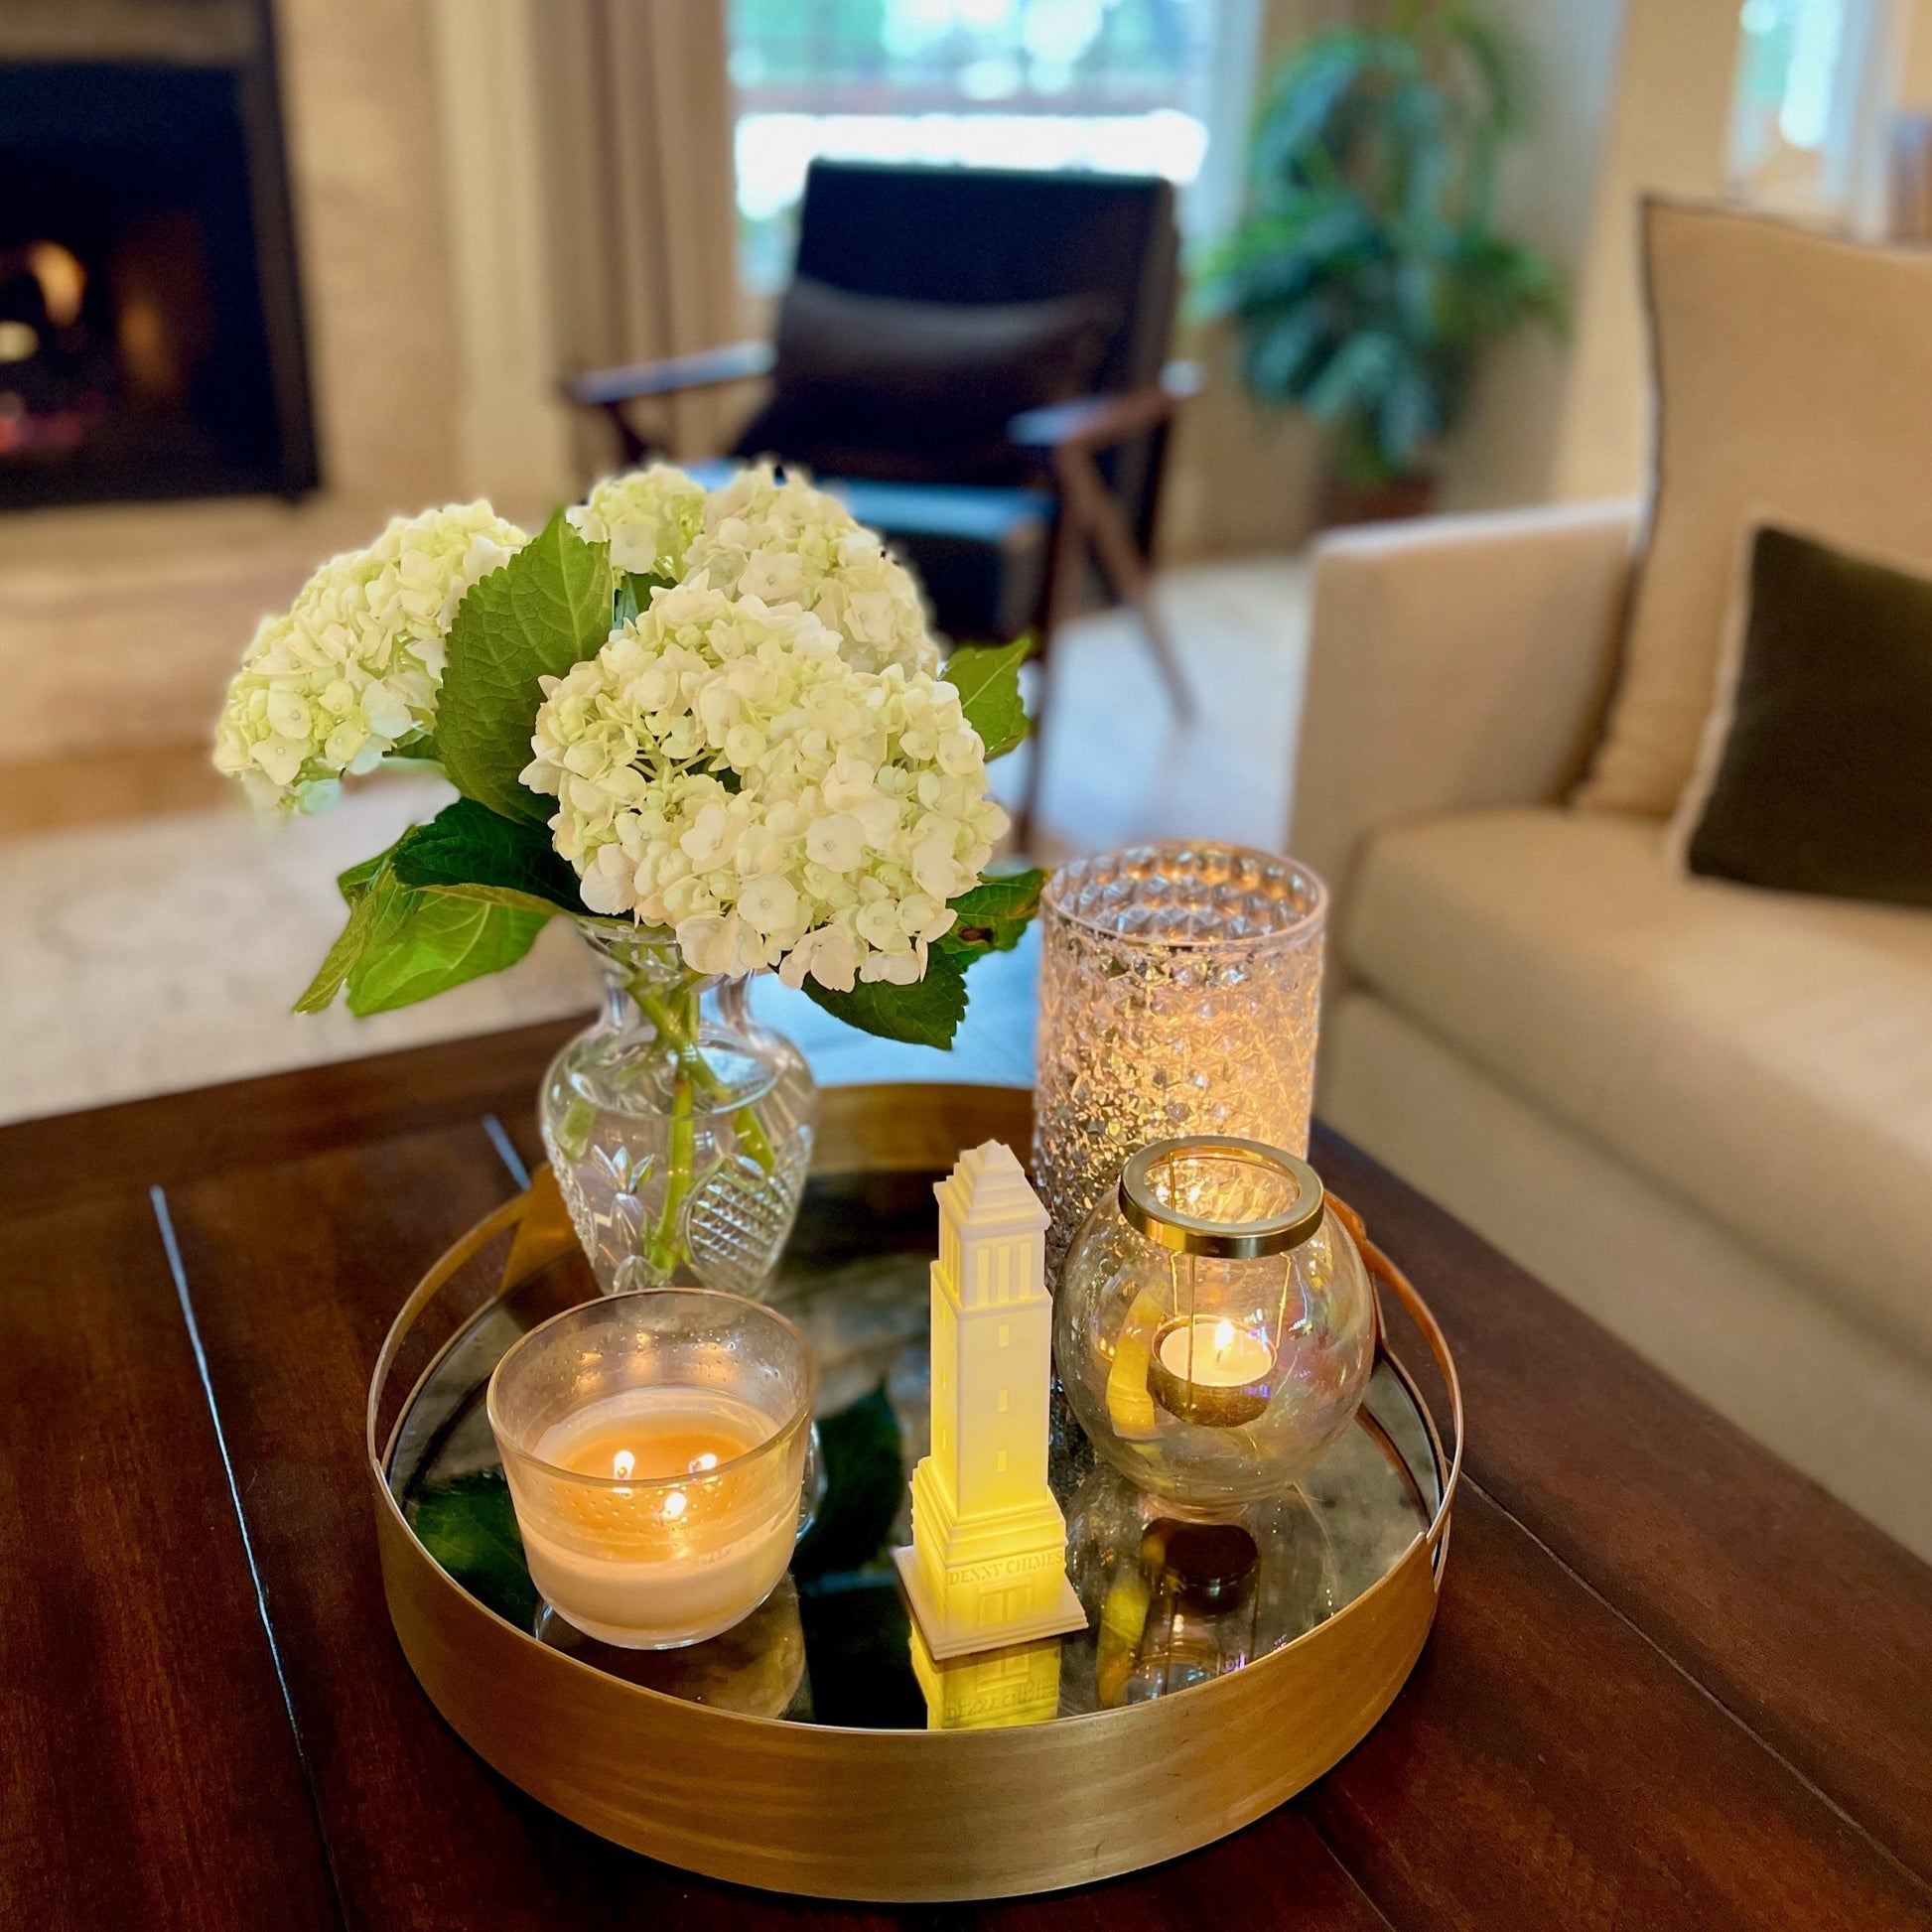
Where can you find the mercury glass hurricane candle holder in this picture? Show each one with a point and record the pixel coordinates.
(1215, 1324)
(1179, 994)
(657, 1447)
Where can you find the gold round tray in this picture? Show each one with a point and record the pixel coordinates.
(1007, 1794)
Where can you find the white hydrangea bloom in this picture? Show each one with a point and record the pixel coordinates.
(647, 517)
(858, 807)
(788, 543)
(352, 669)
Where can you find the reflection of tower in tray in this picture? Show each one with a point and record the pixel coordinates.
(987, 1566)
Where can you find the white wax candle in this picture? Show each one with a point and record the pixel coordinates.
(656, 1564)
(1212, 1353)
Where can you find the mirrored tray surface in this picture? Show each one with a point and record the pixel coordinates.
(1168, 1606)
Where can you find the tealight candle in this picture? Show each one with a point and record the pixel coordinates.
(1207, 1370)
(656, 1446)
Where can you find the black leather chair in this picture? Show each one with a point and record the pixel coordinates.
(1006, 531)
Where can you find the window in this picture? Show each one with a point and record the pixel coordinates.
(999, 1464)
(1006, 1400)
(1120, 87)
(1800, 107)
(1006, 1334)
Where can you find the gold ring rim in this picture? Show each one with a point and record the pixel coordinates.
(868, 1814)
(1189, 1234)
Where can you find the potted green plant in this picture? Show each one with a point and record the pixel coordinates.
(1366, 276)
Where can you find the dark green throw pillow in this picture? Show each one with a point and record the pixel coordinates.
(1825, 784)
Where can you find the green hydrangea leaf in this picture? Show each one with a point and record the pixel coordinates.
(544, 610)
(633, 595)
(466, 845)
(926, 1014)
(420, 942)
(864, 1480)
(355, 883)
(342, 957)
(988, 677)
(995, 915)
(470, 1527)
(462, 896)
(420, 749)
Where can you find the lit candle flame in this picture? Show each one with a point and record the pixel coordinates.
(675, 1504)
(705, 1462)
(1223, 1338)
(622, 1463)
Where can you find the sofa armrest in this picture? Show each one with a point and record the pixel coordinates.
(1453, 662)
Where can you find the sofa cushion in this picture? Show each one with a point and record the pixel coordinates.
(1814, 775)
(1794, 379)
(1769, 1056)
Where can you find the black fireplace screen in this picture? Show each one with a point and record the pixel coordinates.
(150, 337)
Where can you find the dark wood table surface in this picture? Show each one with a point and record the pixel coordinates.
(1671, 1683)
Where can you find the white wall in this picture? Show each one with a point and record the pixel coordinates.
(1636, 98)
(1506, 450)
(1667, 134)
(1242, 479)
(1630, 97)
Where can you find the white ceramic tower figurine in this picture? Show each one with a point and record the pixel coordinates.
(988, 1561)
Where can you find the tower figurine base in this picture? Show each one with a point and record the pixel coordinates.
(950, 1637)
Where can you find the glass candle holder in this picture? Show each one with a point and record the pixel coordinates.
(1179, 994)
(656, 1447)
(1215, 1324)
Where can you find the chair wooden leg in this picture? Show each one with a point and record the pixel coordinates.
(632, 447)
(1063, 561)
(1084, 492)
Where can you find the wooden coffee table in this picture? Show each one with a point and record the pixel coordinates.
(1671, 1682)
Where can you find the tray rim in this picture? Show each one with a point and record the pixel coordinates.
(572, 1712)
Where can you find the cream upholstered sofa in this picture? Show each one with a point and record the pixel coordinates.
(1700, 1111)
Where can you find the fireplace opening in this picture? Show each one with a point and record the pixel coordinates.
(150, 337)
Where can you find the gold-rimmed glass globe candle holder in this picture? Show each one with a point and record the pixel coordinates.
(657, 1447)
(1215, 1324)
(1180, 989)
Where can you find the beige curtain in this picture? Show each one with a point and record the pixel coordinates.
(638, 107)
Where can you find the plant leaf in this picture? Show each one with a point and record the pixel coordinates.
(469, 1526)
(355, 883)
(467, 844)
(343, 956)
(865, 1478)
(544, 610)
(988, 678)
(633, 597)
(994, 916)
(926, 1014)
(421, 942)
(413, 753)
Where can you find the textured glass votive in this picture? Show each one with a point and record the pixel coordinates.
(656, 1446)
(1179, 994)
(1214, 1327)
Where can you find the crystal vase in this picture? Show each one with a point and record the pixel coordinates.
(680, 1130)
(1180, 987)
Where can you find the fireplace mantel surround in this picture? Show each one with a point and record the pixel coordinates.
(442, 295)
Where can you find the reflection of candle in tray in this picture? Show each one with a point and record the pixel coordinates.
(637, 1554)
(1207, 1370)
